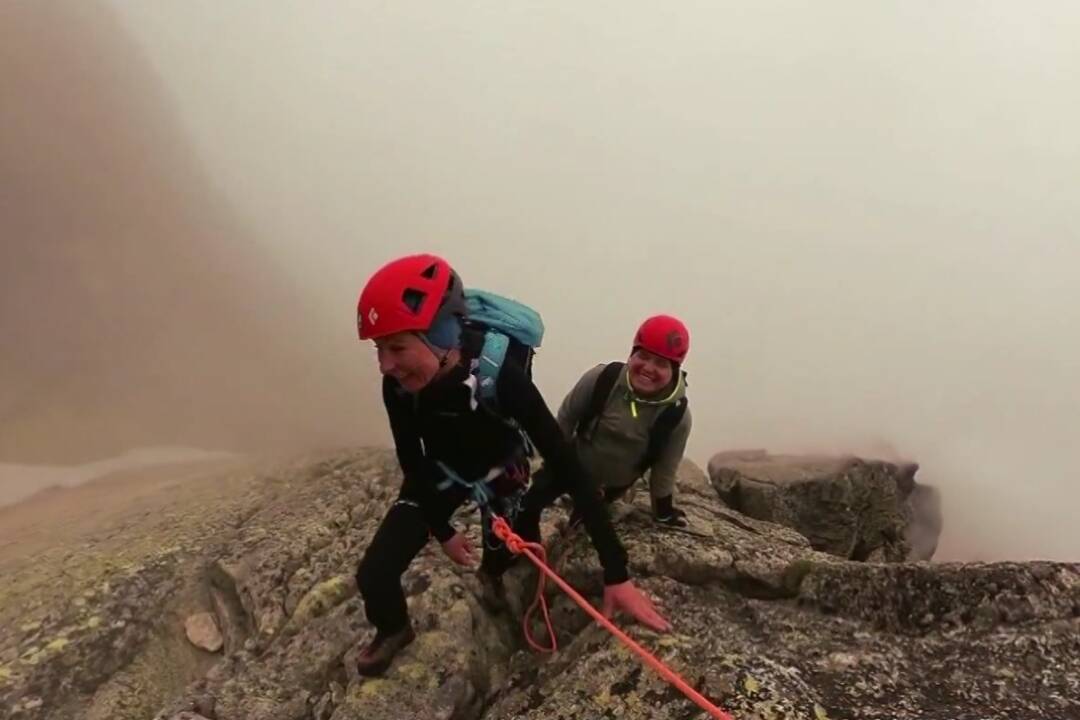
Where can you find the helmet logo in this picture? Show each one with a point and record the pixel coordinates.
(674, 340)
(372, 316)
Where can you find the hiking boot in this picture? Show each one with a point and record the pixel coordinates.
(376, 657)
(492, 592)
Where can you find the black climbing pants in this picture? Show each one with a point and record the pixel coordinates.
(400, 538)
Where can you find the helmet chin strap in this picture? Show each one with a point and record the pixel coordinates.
(443, 354)
(442, 337)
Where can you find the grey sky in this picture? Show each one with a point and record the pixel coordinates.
(866, 212)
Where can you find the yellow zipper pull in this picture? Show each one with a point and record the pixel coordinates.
(633, 408)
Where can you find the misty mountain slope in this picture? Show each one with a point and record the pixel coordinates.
(136, 307)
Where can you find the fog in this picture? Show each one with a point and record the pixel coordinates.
(866, 212)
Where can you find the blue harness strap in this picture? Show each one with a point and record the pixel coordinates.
(482, 494)
(484, 497)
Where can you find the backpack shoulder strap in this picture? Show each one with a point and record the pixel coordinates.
(660, 433)
(488, 364)
(601, 391)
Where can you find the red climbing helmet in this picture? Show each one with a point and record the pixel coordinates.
(410, 294)
(665, 336)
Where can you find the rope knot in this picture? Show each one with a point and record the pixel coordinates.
(501, 528)
(513, 542)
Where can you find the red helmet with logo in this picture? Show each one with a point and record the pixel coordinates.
(410, 294)
(665, 336)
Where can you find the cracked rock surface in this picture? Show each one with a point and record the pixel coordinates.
(764, 625)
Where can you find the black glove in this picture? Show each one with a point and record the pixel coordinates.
(667, 514)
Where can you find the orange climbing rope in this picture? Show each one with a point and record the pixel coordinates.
(535, 552)
(541, 557)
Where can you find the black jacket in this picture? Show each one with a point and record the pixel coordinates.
(444, 422)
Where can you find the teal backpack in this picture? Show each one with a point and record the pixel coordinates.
(498, 330)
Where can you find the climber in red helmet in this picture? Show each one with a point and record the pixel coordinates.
(629, 419)
(462, 422)
(626, 420)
